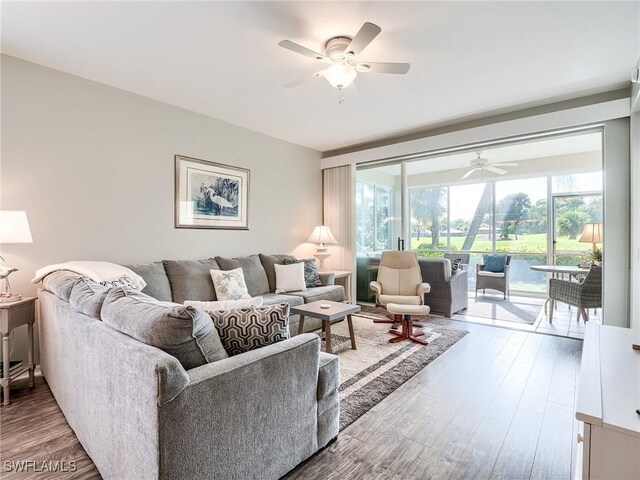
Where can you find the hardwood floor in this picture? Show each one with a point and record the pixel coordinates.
(498, 404)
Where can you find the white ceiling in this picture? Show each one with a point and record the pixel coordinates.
(222, 59)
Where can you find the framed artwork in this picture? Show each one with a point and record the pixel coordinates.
(210, 195)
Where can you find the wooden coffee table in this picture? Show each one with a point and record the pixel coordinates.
(336, 311)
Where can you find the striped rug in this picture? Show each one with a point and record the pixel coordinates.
(376, 368)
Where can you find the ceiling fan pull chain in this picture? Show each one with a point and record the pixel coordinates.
(340, 96)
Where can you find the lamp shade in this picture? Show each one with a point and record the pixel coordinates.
(322, 235)
(592, 233)
(14, 227)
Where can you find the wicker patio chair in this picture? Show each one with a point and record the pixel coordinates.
(493, 280)
(582, 295)
(464, 257)
(449, 290)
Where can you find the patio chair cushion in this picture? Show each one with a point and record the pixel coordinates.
(484, 273)
(494, 262)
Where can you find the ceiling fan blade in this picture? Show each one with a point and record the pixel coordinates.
(303, 80)
(468, 174)
(506, 164)
(497, 170)
(294, 47)
(365, 35)
(382, 67)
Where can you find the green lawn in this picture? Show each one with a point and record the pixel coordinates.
(534, 243)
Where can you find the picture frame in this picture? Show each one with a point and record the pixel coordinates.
(210, 195)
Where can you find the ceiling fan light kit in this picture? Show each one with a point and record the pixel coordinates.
(340, 53)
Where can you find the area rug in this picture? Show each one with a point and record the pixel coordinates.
(377, 368)
(515, 309)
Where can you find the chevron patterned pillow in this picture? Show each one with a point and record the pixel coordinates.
(248, 328)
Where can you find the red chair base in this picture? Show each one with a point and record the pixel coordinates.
(407, 332)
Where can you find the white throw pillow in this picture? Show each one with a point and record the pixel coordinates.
(290, 278)
(229, 284)
(225, 304)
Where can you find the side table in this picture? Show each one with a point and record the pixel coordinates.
(336, 311)
(346, 276)
(13, 315)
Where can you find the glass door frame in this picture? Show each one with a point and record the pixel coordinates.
(551, 215)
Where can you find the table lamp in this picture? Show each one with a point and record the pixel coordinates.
(322, 236)
(592, 234)
(14, 228)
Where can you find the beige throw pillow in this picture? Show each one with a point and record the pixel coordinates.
(229, 284)
(290, 278)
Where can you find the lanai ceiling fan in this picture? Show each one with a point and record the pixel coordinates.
(483, 164)
(341, 53)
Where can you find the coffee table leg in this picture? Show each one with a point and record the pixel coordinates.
(351, 334)
(327, 336)
(301, 325)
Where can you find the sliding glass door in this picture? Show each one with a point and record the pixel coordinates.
(379, 220)
(527, 200)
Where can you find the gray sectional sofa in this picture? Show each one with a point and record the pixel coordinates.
(181, 280)
(140, 414)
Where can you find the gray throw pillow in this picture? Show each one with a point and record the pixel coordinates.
(255, 275)
(245, 329)
(187, 333)
(87, 296)
(311, 275)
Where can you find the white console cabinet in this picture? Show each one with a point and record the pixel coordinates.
(608, 396)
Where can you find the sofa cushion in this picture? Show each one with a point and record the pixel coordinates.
(311, 275)
(187, 333)
(268, 262)
(273, 298)
(60, 283)
(190, 279)
(87, 296)
(330, 292)
(254, 273)
(154, 274)
(245, 329)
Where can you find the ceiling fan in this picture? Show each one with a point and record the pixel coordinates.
(483, 164)
(340, 54)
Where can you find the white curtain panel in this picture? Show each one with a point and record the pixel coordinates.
(339, 185)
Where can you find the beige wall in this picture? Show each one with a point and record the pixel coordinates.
(93, 166)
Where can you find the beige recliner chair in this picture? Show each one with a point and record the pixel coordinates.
(399, 281)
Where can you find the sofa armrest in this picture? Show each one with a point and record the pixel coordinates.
(327, 278)
(232, 366)
(375, 287)
(253, 410)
